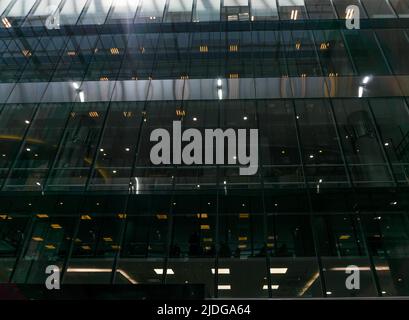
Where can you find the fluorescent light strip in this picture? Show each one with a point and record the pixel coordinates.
(273, 287)
(380, 268)
(101, 270)
(221, 271)
(224, 287)
(160, 271)
(278, 270)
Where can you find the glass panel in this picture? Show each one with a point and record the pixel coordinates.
(207, 10)
(119, 141)
(41, 141)
(293, 266)
(320, 9)
(14, 121)
(301, 61)
(378, 9)
(360, 142)
(71, 11)
(292, 9)
(95, 246)
(264, 10)
(401, 7)
(278, 143)
(49, 245)
(151, 11)
(124, 9)
(332, 53)
(3, 5)
(179, 11)
(341, 6)
(365, 52)
(392, 118)
(319, 142)
(21, 8)
(394, 42)
(46, 7)
(11, 239)
(96, 12)
(271, 61)
(80, 138)
(388, 242)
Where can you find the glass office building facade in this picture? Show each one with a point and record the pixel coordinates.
(79, 100)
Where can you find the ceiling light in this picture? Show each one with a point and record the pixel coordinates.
(6, 23)
(294, 14)
(26, 53)
(27, 122)
(203, 48)
(42, 215)
(224, 287)
(56, 226)
(366, 79)
(360, 91)
(114, 51)
(233, 48)
(160, 271)
(220, 94)
(82, 96)
(378, 268)
(221, 271)
(86, 217)
(278, 270)
(244, 118)
(273, 287)
(329, 292)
